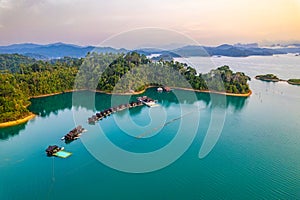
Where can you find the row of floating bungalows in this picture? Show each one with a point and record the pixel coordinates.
(107, 112)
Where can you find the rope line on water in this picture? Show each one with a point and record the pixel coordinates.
(139, 136)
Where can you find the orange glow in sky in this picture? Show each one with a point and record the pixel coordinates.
(210, 22)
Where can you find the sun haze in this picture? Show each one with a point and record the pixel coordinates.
(210, 22)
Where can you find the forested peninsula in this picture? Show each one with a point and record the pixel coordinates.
(274, 78)
(22, 78)
(268, 77)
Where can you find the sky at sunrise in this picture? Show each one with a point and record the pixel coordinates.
(89, 22)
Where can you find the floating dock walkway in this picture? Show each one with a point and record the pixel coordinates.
(140, 101)
(147, 101)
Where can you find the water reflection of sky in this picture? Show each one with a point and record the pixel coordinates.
(46, 106)
(284, 66)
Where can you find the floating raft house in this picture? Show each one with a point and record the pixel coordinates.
(166, 89)
(100, 115)
(57, 151)
(147, 101)
(73, 134)
(62, 154)
(51, 150)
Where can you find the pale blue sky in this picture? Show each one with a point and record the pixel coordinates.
(88, 22)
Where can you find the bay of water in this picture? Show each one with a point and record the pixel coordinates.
(255, 157)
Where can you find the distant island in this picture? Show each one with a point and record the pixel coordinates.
(294, 81)
(268, 77)
(22, 78)
(274, 78)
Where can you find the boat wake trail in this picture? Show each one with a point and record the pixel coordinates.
(142, 135)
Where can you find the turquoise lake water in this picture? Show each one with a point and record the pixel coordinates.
(256, 155)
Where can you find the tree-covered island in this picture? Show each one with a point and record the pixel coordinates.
(22, 78)
(294, 81)
(268, 77)
(274, 78)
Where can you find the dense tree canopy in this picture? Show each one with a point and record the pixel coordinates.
(14, 62)
(106, 72)
(294, 81)
(13, 101)
(268, 77)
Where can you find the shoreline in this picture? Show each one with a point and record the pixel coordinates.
(124, 93)
(55, 93)
(292, 83)
(142, 91)
(18, 121)
(31, 116)
(178, 88)
(215, 92)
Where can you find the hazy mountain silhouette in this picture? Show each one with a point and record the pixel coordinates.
(58, 50)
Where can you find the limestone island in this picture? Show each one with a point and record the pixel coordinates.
(23, 78)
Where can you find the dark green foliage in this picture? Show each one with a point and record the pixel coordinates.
(122, 75)
(14, 62)
(268, 77)
(107, 72)
(13, 101)
(32, 79)
(223, 79)
(294, 81)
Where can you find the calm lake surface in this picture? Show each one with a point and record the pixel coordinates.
(256, 155)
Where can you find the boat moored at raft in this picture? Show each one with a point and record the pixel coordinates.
(147, 101)
(164, 89)
(160, 89)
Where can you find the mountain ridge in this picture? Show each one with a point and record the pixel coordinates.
(59, 49)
